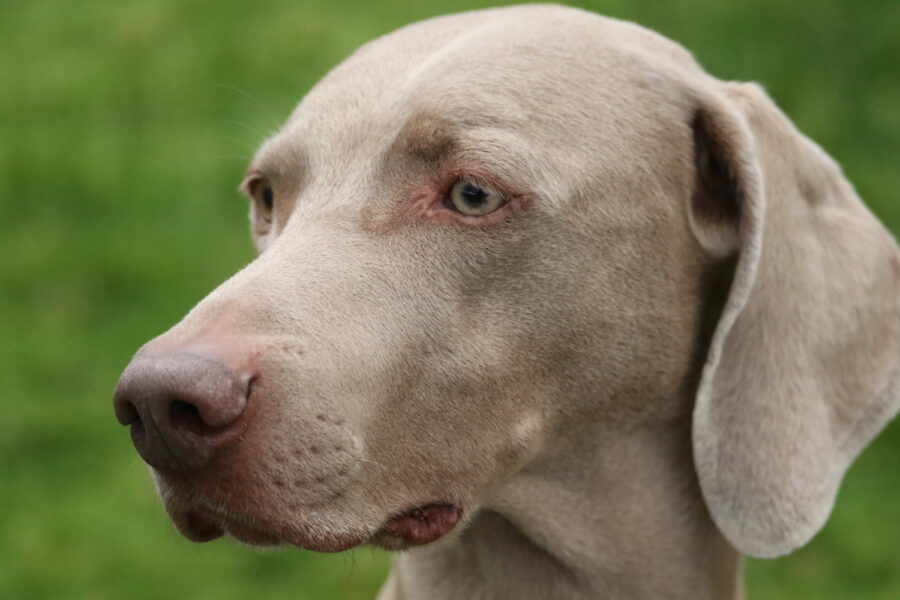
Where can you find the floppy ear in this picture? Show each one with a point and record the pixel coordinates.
(802, 370)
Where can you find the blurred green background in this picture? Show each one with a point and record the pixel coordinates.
(124, 130)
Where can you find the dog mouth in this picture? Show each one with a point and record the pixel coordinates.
(420, 525)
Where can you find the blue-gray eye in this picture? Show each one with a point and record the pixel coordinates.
(473, 200)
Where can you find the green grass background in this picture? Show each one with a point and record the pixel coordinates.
(124, 130)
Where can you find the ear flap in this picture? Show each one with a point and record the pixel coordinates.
(802, 370)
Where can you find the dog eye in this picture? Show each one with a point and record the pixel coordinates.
(472, 200)
(264, 197)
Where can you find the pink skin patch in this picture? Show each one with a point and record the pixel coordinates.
(423, 524)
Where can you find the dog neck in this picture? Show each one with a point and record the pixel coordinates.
(625, 520)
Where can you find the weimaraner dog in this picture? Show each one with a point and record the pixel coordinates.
(541, 303)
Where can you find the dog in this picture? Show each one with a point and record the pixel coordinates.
(541, 303)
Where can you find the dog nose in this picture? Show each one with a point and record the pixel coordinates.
(182, 407)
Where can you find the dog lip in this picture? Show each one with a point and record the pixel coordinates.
(201, 525)
(198, 526)
(423, 524)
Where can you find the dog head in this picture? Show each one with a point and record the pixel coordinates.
(482, 230)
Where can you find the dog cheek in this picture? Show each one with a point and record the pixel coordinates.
(524, 440)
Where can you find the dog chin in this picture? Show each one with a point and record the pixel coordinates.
(204, 525)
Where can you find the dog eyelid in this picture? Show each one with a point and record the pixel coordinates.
(250, 182)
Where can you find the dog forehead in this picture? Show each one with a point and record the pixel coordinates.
(490, 59)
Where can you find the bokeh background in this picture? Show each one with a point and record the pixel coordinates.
(125, 128)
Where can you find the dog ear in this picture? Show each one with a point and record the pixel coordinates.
(802, 370)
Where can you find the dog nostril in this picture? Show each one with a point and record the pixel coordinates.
(186, 416)
(127, 414)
